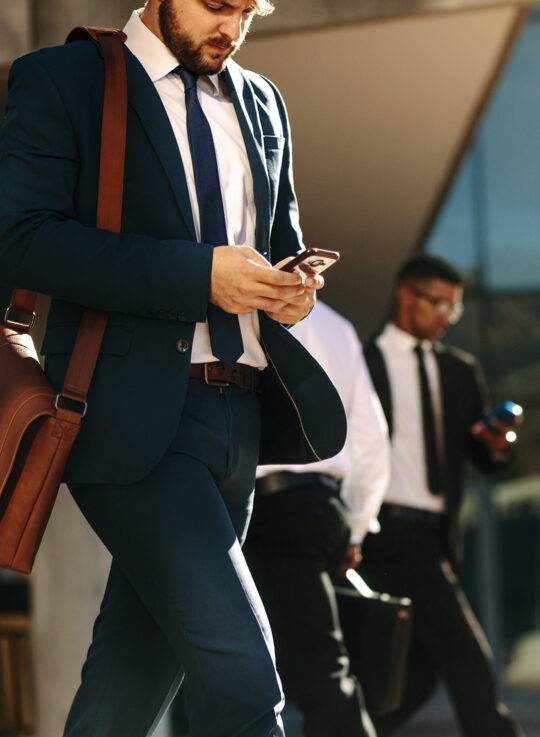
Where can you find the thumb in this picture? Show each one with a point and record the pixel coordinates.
(255, 257)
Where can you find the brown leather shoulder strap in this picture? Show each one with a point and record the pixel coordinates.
(113, 132)
(110, 197)
(109, 208)
(96, 33)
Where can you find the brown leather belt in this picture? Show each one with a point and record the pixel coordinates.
(221, 374)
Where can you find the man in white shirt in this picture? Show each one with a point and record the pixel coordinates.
(308, 523)
(434, 398)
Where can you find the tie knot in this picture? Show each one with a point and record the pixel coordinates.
(419, 350)
(188, 78)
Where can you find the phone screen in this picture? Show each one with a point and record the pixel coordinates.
(311, 262)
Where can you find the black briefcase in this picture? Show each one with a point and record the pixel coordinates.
(377, 632)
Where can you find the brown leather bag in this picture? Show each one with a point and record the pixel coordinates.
(38, 426)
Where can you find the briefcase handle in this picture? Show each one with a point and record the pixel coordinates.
(20, 315)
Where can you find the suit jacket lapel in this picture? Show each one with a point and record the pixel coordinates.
(144, 99)
(244, 103)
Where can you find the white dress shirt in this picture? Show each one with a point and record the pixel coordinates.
(233, 165)
(408, 482)
(364, 462)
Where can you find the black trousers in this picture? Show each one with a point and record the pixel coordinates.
(407, 559)
(296, 541)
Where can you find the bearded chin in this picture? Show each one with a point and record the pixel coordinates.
(181, 45)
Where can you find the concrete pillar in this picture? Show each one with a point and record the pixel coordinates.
(55, 18)
(68, 582)
(15, 29)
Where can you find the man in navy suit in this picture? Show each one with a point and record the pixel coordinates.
(195, 368)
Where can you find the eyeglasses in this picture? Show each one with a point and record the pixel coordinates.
(453, 311)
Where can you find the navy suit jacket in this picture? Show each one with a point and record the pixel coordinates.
(153, 279)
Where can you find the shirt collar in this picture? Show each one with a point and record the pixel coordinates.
(158, 61)
(402, 341)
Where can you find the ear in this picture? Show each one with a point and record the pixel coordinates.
(404, 296)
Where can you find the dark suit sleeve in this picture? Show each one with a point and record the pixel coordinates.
(44, 248)
(286, 238)
(478, 453)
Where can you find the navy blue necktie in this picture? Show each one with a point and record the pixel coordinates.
(224, 328)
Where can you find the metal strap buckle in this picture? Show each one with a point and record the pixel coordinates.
(213, 382)
(20, 321)
(71, 405)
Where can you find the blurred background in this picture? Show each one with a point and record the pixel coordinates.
(415, 126)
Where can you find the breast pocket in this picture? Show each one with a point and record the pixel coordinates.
(274, 147)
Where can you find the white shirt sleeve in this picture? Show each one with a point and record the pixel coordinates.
(368, 473)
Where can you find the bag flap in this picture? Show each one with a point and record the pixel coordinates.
(25, 395)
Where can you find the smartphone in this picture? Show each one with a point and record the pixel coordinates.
(509, 413)
(312, 261)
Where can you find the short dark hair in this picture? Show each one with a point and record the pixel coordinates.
(425, 267)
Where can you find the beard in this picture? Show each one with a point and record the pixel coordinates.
(184, 48)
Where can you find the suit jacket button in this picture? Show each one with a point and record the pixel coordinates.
(182, 346)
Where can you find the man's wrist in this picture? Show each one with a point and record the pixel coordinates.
(289, 325)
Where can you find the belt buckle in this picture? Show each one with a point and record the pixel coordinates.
(213, 382)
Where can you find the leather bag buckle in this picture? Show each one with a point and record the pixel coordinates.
(19, 321)
(71, 405)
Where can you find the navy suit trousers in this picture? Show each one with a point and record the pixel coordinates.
(180, 599)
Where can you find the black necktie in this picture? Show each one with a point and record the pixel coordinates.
(428, 422)
(224, 328)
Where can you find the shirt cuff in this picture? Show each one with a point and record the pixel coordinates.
(360, 528)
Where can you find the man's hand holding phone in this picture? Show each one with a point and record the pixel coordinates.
(497, 429)
(308, 265)
(243, 281)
